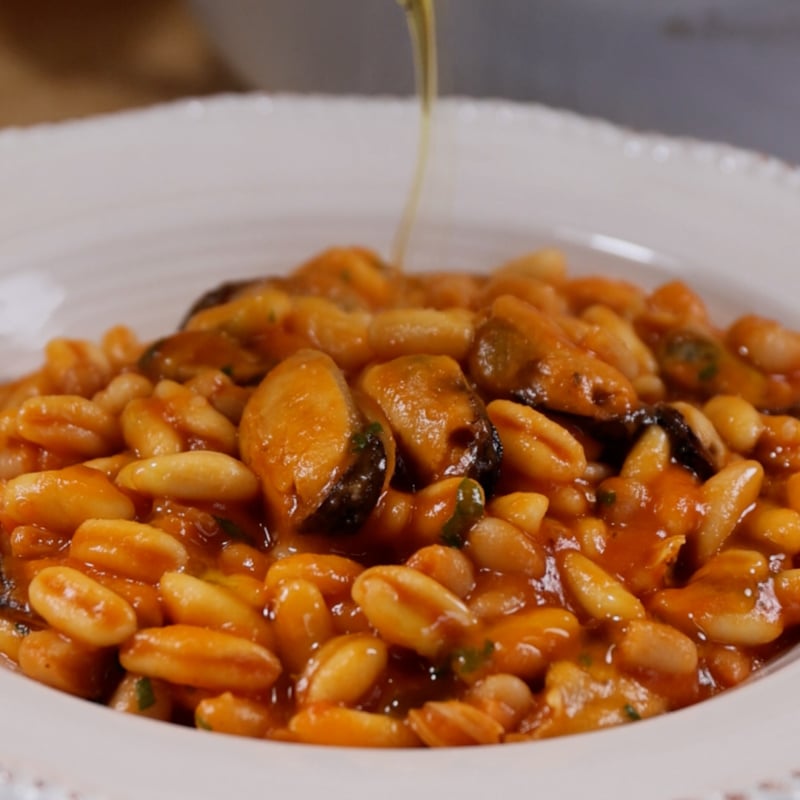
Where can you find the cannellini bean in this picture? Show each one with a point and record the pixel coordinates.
(81, 607)
(593, 536)
(524, 643)
(447, 565)
(766, 343)
(778, 447)
(737, 421)
(194, 475)
(601, 595)
(302, 622)
(655, 647)
(726, 496)
(505, 698)
(774, 527)
(649, 456)
(193, 656)
(412, 610)
(526, 510)
(750, 629)
(500, 546)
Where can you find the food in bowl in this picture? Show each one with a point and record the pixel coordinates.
(356, 506)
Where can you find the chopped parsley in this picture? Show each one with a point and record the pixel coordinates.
(606, 497)
(227, 369)
(469, 509)
(631, 713)
(229, 527)
(704, 354)
(21, 628)
(585, 660)
(202, 723)
(465, 660)
(145, 697)
(708, 371)
(360, 439)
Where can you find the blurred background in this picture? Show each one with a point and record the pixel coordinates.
(61, 59)
(717, 69)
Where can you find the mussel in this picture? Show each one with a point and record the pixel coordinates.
(520, 353)
(322, 462)
(439, 422)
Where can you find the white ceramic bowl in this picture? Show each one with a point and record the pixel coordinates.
(129, 218)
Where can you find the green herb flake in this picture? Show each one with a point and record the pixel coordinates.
(360, 439)
(227, 370)
(145, 697)
(469, 509)
(606, 497)
(585, 660)
(272, 317)
(469, 659)
(703, 353)
(631, 713)
(21, 629)
(202, 723)
(230, 528)
(708, 371)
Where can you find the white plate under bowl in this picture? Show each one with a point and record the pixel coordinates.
(129, 218)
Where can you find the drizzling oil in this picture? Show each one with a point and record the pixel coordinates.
(422, 28)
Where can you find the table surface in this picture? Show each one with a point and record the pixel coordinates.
(64, 60)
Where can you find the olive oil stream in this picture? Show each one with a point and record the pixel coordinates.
(422, 27)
